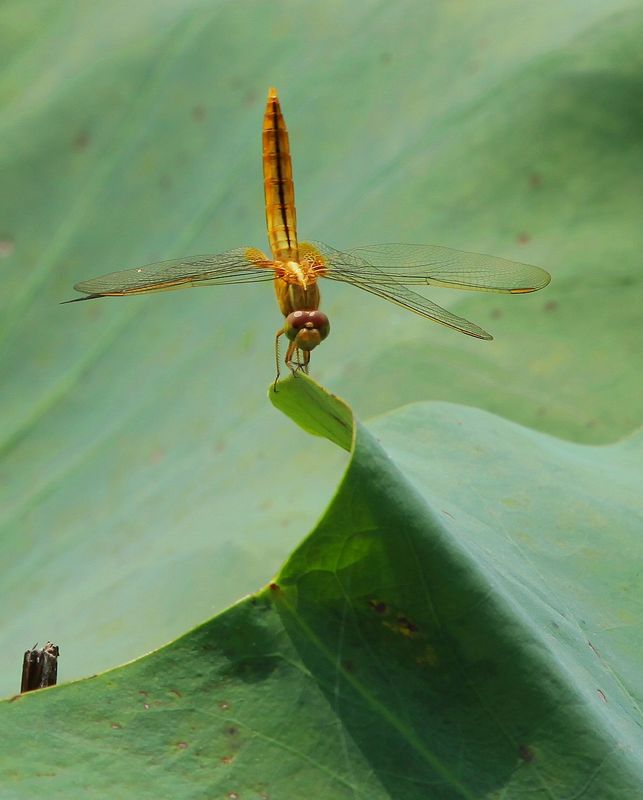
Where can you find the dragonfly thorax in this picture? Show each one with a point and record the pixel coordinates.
(301, 273)
(296, 288)
(294, 273)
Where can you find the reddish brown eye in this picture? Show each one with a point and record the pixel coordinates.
(298, 321)
(307, 319)
(322, 324)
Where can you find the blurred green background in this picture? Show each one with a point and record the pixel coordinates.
(145, 482)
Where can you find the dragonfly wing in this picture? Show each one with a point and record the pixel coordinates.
(243, 265)
(432, 265)
(415, 302)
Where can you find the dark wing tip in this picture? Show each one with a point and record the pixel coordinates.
(544, 279)
(79, 299)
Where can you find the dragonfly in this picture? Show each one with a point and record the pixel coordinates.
(295, 267)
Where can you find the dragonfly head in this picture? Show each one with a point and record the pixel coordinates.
(307, 329)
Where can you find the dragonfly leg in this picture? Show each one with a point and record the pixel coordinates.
(290, 353)
(303, 360)
(279, 333)
(297, 359)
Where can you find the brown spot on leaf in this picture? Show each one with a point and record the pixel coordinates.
(224, 705)
(385, 58)
(233, 796)
(378, 606)
(115, 726)
(523, 238)
(227, 759)
(550, 305)
(176, 692)
(182, 745)
(231, 730)
(198, 113)
(274, 587)
(250, 97)
(157, 455)
(407, 627)
(7, 246)
(535, 180)
(81, 141)
(526, 753)
(496, 313)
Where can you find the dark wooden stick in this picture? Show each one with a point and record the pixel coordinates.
(40, 667)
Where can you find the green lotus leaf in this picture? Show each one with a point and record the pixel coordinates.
(462, 623)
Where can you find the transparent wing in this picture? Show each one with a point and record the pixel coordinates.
(243, 265)
(431, 265)
(348, 268)
(420, 305)
(402, 296)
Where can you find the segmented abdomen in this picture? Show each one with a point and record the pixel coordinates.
(281, 217)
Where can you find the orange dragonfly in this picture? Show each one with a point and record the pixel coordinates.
(295, 267)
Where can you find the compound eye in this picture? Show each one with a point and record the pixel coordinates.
(314, 320)
(301, 319)
(320, 322)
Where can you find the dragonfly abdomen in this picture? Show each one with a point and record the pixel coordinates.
(279, 189)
